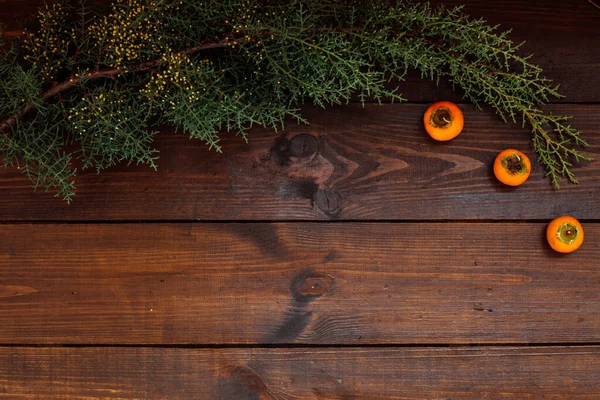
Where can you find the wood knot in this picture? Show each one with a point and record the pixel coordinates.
(328, 200)
(303, 145)
(310, 284)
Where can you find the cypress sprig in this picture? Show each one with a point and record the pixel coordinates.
(96, 83)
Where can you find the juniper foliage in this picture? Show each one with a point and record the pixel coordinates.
(96, 83)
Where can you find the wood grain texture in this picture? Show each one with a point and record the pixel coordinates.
(357, 283)
(305, 283)
(562, 35)
(307, 374)
(350, 163)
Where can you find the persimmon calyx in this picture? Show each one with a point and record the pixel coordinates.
(514, 165)
(567, 233)
(441, 117)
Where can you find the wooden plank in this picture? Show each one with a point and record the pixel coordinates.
(562, 35)
(356, 283)
(326, 374)
(350, 163)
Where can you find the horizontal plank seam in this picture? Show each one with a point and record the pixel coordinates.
(306, 346)
(285, 221)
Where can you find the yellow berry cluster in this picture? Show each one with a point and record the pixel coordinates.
(246, 19)
(130, 30)
(176, 75)
(245, 15)
(45, 47)
(108, 110)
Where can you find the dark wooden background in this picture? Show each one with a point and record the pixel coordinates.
(350, 259)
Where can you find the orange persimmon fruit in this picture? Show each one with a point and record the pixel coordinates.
(443, 121)
(512, 167)
(564, 234)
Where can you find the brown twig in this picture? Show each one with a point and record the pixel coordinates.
(103, 73)
(594, 4)
(113, 72)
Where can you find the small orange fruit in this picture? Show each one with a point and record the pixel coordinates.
(443, 121)
(512, 167)
(564, 234)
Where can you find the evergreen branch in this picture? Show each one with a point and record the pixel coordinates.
(101, 82)
(77, 79)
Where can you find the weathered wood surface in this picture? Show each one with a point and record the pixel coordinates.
(350, 163)
(305, 283)
(357, 283)
(562, 35)
(306, 374)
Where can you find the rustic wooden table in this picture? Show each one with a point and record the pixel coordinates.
(226, 277)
